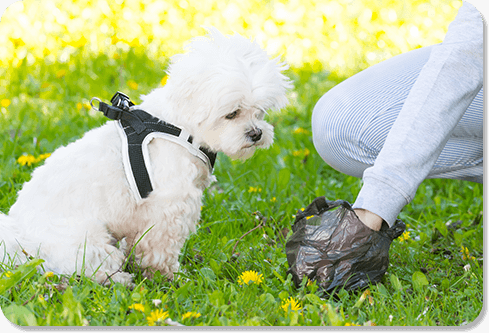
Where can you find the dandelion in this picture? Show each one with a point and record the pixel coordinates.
(8, 274)
(163, 80)
(48, 275)
(190, 314)
(351, 324)
(29, 160)
(274, 199)
(404, 237)
(157, 317)
(292, 304)
(60, 73)
(250, 277)
(305, 152)
(466, 254)
(79, 106)
(5, 102)
(254, 189)
(301, 130)
(26, 159)
(132, 84)
(42, 157)
(137, 306)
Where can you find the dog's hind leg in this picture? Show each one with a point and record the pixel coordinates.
(104, 263)
(94, 256)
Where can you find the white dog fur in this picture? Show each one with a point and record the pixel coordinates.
(79, 204)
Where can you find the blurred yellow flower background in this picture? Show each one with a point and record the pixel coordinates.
(341, 36)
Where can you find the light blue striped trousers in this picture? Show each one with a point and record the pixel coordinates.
(351, 121)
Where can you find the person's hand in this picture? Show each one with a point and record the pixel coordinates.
(371, 220)
(331, 245)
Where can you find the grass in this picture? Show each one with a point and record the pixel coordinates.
(246, 219)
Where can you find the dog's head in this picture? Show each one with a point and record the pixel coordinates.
(222, 88)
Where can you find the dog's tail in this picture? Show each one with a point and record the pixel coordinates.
(8, 239)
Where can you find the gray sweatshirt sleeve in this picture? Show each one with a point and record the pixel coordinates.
(446, 86)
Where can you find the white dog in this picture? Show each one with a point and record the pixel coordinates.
(80, 203)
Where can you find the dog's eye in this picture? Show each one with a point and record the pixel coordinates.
(232, 115)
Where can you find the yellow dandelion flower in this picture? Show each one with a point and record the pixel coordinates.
(8, 274)
(274, 199)
(79, 106)
(132, 84)
(351, 324)
(404, 237)
(60, 73)
(305, 152)
(190, 314)
(26, 159)
(466, 254)
(301, 130)
(292, 304)
(43, 156)
(157, 317)
(254, 189)
(48, 274)
(250, 277)
(137, 306)
(5, 102)
(163, 80)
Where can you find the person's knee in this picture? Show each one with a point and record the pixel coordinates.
(334, 136)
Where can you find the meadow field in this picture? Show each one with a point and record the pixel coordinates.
(57, 55)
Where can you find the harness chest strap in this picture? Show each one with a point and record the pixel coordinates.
(137, 129)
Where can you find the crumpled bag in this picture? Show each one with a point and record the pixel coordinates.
(333, 247)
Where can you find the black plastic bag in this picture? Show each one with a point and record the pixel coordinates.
(333, 247)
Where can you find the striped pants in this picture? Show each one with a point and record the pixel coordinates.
(351, 121)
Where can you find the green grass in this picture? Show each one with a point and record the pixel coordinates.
(426, 283)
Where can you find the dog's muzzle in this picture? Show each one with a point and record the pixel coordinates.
(255, 134)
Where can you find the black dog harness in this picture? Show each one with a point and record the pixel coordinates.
(137, 129)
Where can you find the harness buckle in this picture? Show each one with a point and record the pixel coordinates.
(121, 100)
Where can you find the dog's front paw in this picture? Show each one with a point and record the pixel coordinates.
(119, 277)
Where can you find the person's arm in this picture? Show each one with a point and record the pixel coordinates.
(446, 86)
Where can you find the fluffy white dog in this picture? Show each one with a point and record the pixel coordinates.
(79, 203)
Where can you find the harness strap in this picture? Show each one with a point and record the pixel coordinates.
(138, 128)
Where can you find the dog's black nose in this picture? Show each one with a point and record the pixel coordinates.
(254, 134)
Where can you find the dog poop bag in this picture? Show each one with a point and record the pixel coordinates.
(331, 245)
